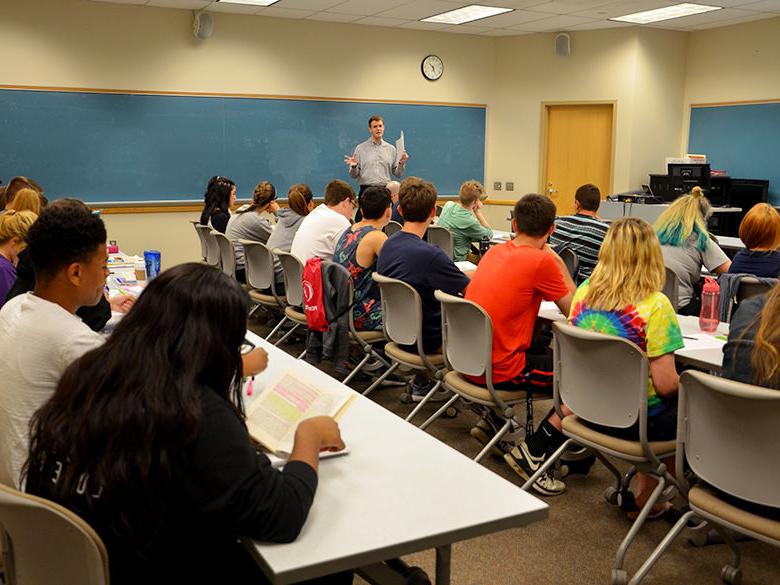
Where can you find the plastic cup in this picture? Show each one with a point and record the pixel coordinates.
(152, 262)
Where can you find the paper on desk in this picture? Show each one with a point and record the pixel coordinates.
(465, 266)
(399, 148)
(703, 341)
(278, 461)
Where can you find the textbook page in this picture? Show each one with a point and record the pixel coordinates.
(399, 148)
(274, 415)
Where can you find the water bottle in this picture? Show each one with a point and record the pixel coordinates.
(709, 318)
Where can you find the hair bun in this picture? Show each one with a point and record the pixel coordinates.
(697, 191)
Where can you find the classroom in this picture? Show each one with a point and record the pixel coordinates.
(312, 72)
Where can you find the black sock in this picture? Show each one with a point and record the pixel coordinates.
(545, 440)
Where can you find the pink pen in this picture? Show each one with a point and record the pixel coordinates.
(250, 385)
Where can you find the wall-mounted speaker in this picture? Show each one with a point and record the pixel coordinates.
(562, 44)
(202, 25)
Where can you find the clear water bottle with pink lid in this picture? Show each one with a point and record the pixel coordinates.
(709, 318)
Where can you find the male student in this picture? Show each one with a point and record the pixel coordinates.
(510, 283)
(406, 256)
(394, 187)
(373, 161)
(582, 232)
(322, 228)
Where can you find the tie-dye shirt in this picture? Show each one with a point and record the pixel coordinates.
(650, 323)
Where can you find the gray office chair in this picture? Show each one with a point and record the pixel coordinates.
(212, 250)
(292, 268)
(603, 379)
(227, 255)
(44, 543)
(748, 286)
(727, 433)
(572, 262)
(402, 324)
(201, 238)
(672, 288)
(392, 227)
(441, 238)
(467, 333)
(259, 267)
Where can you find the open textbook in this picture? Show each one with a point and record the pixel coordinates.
(275, 413)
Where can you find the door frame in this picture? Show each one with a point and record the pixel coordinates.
(543, 138)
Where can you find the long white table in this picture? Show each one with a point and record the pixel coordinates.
(730, 243)
(701, 350)
(398, 491)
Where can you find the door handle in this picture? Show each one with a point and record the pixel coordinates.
(550, 189)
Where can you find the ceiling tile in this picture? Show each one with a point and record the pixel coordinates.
(568, 6)
(416, 25)
(717, 23)
(504, 32)
(282, 12)
(380, 21)
(185, 4)
(613, 9)
(365, 7)
(234, 8)
(308, 4)
(465, 29)
(764, 6)
(419, 9)
(599, 24)
(333, 17)
(512, 18)
(553, 24)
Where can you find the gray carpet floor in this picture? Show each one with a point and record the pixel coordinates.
(577, 543)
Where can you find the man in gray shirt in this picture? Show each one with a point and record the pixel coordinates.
(373, 161)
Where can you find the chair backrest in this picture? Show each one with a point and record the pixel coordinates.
(602, 378)
(227, 255)
(728, 431)
(201, 239)
(259, 264)
(572, 262)
(401, 311)
(750, 286)
(292, 268)
(392, 227)
(467, 335)
(212, 250)
(441, 238)
(672, 288)
(44, 543)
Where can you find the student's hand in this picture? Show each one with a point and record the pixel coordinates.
(351, 160)
(273, 207)
(254, 362)
(323, 430)
(477, 205)
(403, 159)
(121, 303)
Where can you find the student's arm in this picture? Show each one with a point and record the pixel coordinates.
(564, 303)
(554, 282)
(663, 337)
(722, 268)
(715, 259)
(481, 218)
(664, 375)
(320, 433)
(254, 361)
(445, 276)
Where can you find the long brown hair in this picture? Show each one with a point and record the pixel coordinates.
(298, 198)
(766, 351)
(263, 194)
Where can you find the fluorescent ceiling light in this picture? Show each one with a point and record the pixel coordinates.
(249, 2)
(667, 13)
(466, 14)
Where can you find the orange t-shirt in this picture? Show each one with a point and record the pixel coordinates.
(510, 283)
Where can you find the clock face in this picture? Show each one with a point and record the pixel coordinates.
(432, 67)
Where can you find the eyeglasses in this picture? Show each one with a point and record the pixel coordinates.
(247, 346)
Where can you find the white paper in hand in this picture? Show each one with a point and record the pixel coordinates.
(399, 148)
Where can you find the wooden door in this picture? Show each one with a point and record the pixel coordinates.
(577, 150)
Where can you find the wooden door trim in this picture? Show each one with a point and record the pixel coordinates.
(543, 138)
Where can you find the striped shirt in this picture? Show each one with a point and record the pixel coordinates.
(583, 235)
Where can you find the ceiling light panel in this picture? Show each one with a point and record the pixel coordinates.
(667, 13)
(249, 2)
(467, 14)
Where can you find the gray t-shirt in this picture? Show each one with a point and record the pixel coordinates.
(249, 225)
(686, 262)
(376, 162)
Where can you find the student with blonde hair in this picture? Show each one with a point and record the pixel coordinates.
(464, 219)
(623, 297)
(27, 200)
(13, 239)
(760, 232)
(686, 245)
(15, 185)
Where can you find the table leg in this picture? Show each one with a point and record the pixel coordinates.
(443, 557)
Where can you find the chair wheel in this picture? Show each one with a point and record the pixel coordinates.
(406, 398)
(451, 412)
(619, 577)
(611, 495)
(731, 575)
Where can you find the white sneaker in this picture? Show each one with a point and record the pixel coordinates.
(525, 465)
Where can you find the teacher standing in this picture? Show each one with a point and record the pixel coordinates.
(374, 161)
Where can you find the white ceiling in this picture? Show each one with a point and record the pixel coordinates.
(529, 16)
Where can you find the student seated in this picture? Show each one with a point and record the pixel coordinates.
(248, 223)
(582, 233)
(14, 226)
(510, 283)
(394, 187)
(752, 353)
(686, 245)
(407, 257)
(153, 451)
(219, 198)
(321, 229)
(623, 297)
(27, 200)
(13, 187)
(464, 219)
(760, 232)
(358, 249)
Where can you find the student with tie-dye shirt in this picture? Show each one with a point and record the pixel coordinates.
(623, 297)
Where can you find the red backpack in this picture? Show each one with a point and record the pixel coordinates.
(313, 305)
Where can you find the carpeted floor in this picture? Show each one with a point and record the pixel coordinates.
(577, 543)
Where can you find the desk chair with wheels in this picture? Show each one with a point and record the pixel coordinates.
(737, 474)
(603, 379)
(672, 288)
(227, 255)
(259, 266)
(292, 268)
(441, 238)
(201, 238)
(467, 333)
(402, 324)
(572, 262)
(212, 250)
(44, 543)
(392, 227)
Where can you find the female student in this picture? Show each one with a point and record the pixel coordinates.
(13, 239)
(686, 245)
(248, 223)
(153, 451)
(219, 198)
(27, 200)
(300, 201)
(623, 297)
(760, 232)
(752, 354)
(464, 219)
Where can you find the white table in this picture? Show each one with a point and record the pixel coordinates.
(398, 491)
(499, 237)
(730, 243)
(647, 211)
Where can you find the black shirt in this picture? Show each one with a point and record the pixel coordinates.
(738, 351)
